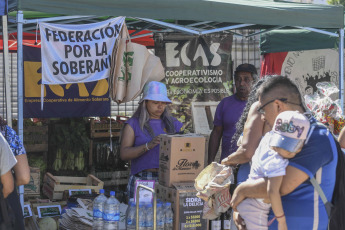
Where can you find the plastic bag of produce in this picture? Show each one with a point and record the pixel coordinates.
(213, 185)
(212, 179)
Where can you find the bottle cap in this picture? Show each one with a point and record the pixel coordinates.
(112, 193)
(168, 204)
(159, 205)
(101, 191)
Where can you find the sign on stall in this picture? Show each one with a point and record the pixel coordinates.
(144, 194)
(77, 53)
(197, 69)
(51, 210)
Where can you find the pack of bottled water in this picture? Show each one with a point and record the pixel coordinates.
(164, 216)
(106, 212)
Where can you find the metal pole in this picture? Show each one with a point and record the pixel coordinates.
(341, 67)
(20, 86)
(154, 206)
(7, 71)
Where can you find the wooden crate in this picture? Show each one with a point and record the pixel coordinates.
(113, 178)
(35, 138)
(54, 186)
(102, 130)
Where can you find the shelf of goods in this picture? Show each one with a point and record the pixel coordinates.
(104, 156)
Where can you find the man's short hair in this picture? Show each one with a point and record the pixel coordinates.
(279, 81)
(247, 68)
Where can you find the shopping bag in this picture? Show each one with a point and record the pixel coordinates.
(118, 70)
(212, 185)
(213, 179)
(142, 67)
(132, 66)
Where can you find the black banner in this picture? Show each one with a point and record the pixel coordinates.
(197, 69)
(69, 100)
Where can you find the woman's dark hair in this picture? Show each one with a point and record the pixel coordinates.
(144, 118)
(251, 99)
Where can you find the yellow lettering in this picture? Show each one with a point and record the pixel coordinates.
(101, 88)
(31, 79)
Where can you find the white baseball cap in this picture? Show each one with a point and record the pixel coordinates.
(290, 130)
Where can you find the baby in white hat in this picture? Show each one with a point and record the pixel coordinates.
(283, 142)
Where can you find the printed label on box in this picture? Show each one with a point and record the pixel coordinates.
(52, 210)
(190, 213)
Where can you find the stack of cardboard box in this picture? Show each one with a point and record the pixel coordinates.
(181, 159)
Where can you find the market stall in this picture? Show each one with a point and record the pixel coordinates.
(194, 17)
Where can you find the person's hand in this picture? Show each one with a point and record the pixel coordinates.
(282, 223)
(239, 222)
(237, 198)
(155, 141)
(225, 161)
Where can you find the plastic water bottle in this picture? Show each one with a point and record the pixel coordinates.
(160, 216)
(111, 215)
(98, 208)
(169, 217)
(149, 216)
(142, 216)
(131, 217)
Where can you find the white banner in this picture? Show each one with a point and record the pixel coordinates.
(307, 68)
(78, 53)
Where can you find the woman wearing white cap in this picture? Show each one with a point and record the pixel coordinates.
(139, 141)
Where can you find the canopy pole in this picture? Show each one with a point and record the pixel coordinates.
(6, 71)
(20, 86)
(318, 31)
(341, 67)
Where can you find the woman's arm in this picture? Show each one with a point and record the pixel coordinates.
(258, 189)
(252, 134)
(22, 170)
(341, 138)
(7, 183)
(127, 151)
(273, 191)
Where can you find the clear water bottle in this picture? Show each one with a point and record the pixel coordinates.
(131, 217)
(169, 217)
(98, 208)
(149, 216)
(142, 216)
(111, 215)
(160, 216)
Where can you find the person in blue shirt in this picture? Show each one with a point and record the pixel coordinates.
(21, 169)
(302, 205)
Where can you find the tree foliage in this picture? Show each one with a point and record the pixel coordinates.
(336, 2)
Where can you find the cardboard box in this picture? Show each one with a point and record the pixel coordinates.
(187, 207)
(181, 158)
(33, 187)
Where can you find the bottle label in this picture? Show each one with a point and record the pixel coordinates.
(129, 221)
(111, 216)
(160, 222)
(97, 213)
